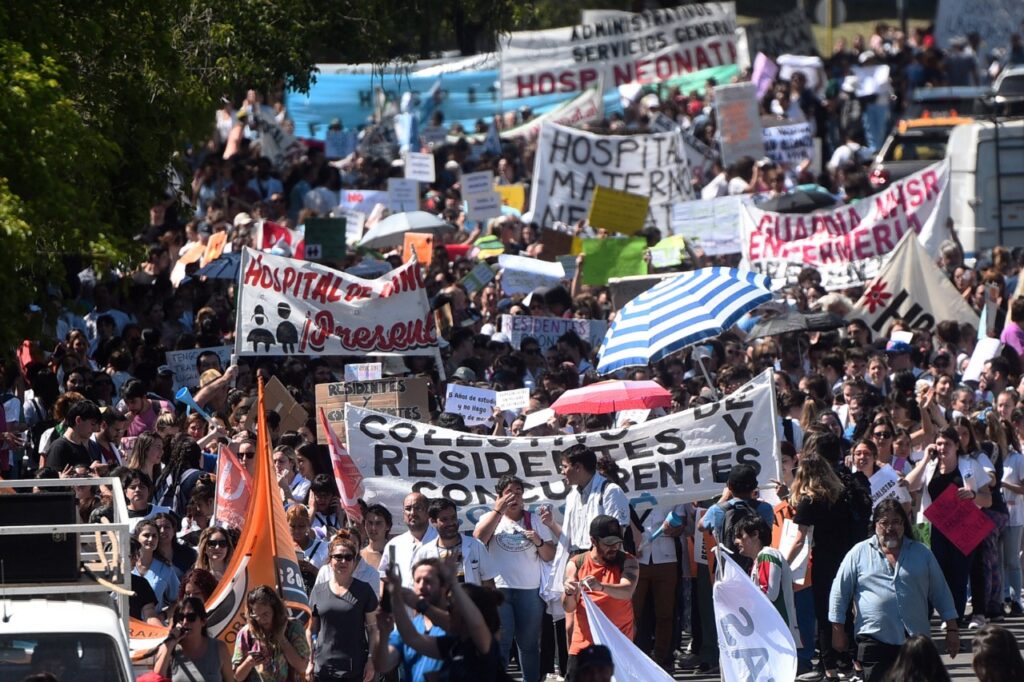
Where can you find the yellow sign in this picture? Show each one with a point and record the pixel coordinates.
(513, 196)
(618, 211)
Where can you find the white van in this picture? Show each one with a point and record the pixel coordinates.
(987, 184)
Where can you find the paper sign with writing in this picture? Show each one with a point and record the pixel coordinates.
(477, 183)
(612, 209)
(538, 418)
(406, 397)
(886, 483)
(362, 200)
(354, 223)
(513, 196)
(477, 278)
(668, 252)
(476, 405)
(632, 416)
(960, 521)
(546, 330)
(362, 371)
(483, 206)
(277, 398)
(522, 274)
(419, 243)
(403, 194)
(739, 121)
(419, 167)
(183, 363)
(515, 399)
(789, 145)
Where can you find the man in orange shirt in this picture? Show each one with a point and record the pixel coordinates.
(609, 575)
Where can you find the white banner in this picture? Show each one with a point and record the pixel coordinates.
(789, 145)
(584, 108)
(570, 163)
(848, 244)
(293, 307)
(910, 287)
(546, 330)
(631, 664)
(755, 644)
(644, 48)
(679, 458)
(183, 362)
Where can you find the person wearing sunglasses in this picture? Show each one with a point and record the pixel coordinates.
(344, 617)
(214, 550)
(189, 652)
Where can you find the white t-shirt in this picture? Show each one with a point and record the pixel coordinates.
(663, 549)
(1013, 473)
(476, 562)
(514, 557)
(316, 552)
(405, 549)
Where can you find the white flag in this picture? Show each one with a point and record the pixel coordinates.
(754, 642)
(631, 664)
(911, 287)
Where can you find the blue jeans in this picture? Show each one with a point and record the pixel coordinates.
(1010, 542)
(521, 614)
(803, 602)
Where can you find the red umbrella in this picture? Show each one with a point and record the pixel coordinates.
(613, 396)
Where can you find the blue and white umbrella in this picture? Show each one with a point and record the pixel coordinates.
(678, 313)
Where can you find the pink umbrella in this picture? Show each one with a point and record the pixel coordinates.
(613, 396)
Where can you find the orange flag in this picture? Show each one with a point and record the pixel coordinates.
(346, 473)
(264, 555)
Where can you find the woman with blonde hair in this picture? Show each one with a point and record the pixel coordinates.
(146, 453)
(214, 550)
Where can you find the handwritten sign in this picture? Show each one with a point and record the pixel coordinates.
(522, 275)
(513, 196)
(354, 223)
(535, 419)
(886, 483)
(476, 405)
(403, 194)
(477, 183)
(183, 363)
(515, 399)
(959, 520)
(362, 371)
(419, 167)
(619, 211)
(739, 121)
(546, 330)
(421, 244)
(406, 397)
(483, 206)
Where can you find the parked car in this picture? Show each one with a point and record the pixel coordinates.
(911, 147)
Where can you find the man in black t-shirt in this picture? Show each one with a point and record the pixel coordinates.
(71, 449)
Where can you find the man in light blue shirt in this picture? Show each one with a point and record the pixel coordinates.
(893, 581)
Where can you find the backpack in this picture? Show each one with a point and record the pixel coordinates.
(857, 499)
(628, 544)
(734, 513)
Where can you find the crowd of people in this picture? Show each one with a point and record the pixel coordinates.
(858, 583)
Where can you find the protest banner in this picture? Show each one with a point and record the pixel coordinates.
(183, 363)
(363, 371)
(606, 258)
(477, 278)
(521, 274)
(234, 486)
(625, 289)
(711, 224)
(513, 196)
(847, 244)
(618, 211)
(628, 656)
(291, 307)
(886, 483)
(362, 200)
(960, 521)
(643, 48)
(570, 164)
(984, 350)
(586, 107)
(485, 206)
(912, 288)
(546, 330)
(790, 144)
(418, 245)
(993, 20)
(404, 397)
(675, 459)
(786, 33)
(325, 238)
(476, 405)
(419, 167)
(739, 121)
(403, 194)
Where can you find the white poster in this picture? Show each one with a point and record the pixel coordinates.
(789, 145)
(403, 194)
(910, 287)
(886, 483)
(522, 274)
(739, 121)
(483, 206)
(847, 244)
(476, 405)
(183, 362)
(571, 163)
(419, 167)
(643, 48)
(679, 458)
(514, 400)
(293, 307)
(477, 183)
(363, 371)
(362, 200)
(546, 330)
(712, 224)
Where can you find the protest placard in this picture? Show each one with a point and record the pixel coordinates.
(739, 121)
(521, 274)
(786, 33)
(325, 239)
(477, 183)
(537, 418)
(514, 400)
(984, 350)
(418, 244)
(404, 397)
(476, 405)
(403, 194)
(513, 196)
(277, 398)
(611, 209)
(625, 289)
(765, 71)
(790, 144)
(886, 483)
(644, 48)
(362, 371)
(912, 288)
(354, 222)
(419, 167)
(568, 264)
(546, 330)
(183, 363)
(483, 206)
(683, 457)
(477, 278)
(292, 307)
(960, 521)
(570, 164)
(631, 416)
(606, 258)
(668, 252)
(711, 224)
(362, 200)
(554, 243)
(848, 244)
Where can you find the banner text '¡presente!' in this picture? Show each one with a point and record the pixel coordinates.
(468, 456)
(324, 287)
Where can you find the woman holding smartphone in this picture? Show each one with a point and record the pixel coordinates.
(270, 647)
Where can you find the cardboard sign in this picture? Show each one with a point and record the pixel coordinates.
(183, 362)
(555, 243)
(513, 196)
(739, 121)
(276, 398)
(607, 258)
(419, 244)
(406, 397)
(477, 183)
(419, 167)
(477, 278)
(515, 399)
(403, 194)
(325, 238)
(362, 371)
(618, 211)
(521, 275)
(476, 405)
(959, 520)
(546, 330)
(483, 206)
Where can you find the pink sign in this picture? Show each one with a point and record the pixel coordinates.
(959, 520)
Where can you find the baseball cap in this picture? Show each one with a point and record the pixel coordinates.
(464, 374)
(164, 370)
(606, 530)
(594, 655)
(243, 219)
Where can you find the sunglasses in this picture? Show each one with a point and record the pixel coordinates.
(343, 557)
(216, 543)
(190, 616)
(246, 455)
(882, 434)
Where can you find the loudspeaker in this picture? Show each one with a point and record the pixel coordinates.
(39, 558)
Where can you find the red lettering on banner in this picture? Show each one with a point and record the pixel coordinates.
(702, 58)
(862, 247)
(931, 183)
(915, 193)
(399, 336)
(884, 243)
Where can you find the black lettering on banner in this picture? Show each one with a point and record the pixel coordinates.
(494, 462)
(371, 420)
(721, 465)
(694, 464)
(645, 476)
(749, 456)
(419, 459)
(532, 469)
(454, 468)
(423, 486)
(388, 456)
(635, 449)
(738, 429)
(670, 471)
(551, 492)
(669, 438)
(429, 438)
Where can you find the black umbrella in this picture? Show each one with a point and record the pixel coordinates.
(225, 267)
(794, 321)
(799, 201)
